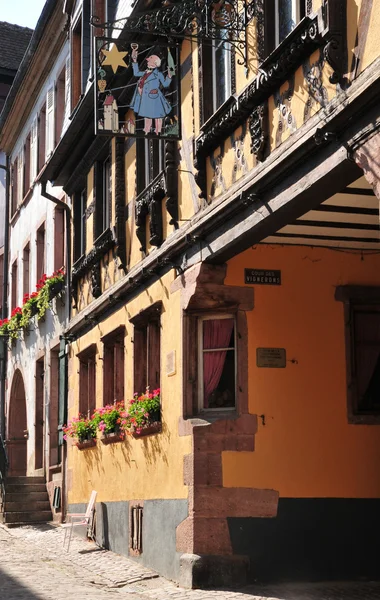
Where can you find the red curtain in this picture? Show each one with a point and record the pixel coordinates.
(216, 334)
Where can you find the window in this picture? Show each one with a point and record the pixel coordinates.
(60, 104)
(87, 380)
(80, 53)
(217, 64)
(147, 349)
(216, 362)
(113, 366)
(59, 238)
(362, 330)
(26, 268)
(40, 241)
(103, 195)
(14, 285)
(135, 529)
(281, 17)
(150, 161)
(215, 344)
(80, 202)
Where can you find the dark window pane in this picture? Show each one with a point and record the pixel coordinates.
(219, 394)
(367, 360)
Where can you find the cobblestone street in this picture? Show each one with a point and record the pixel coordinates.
(34, 566)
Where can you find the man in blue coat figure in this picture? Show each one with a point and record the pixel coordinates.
(148, 100)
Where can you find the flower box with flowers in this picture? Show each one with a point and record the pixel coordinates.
(83, 430)
(111, 421)
(144, 413)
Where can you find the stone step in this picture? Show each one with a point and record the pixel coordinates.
(37, 516)
(23, 523)
(26, 497)
(24, 488)
(25, 505)
(24, 479)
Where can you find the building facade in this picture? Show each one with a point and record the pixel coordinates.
(235, 270)
(32, 121)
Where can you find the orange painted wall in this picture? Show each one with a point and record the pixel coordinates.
(306, 448)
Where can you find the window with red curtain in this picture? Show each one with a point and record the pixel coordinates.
(217, 363)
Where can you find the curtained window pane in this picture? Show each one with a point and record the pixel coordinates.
(217, 370)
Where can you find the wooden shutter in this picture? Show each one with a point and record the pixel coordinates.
(119, 369)
(154, 355)
(20, 177)
(49, 121)
(67, 92)
(33, 150)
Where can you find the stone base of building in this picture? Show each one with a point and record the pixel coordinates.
(209, 571)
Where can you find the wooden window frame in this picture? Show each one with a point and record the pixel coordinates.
(87, 380)
(14, 288)
(147, 349)
(150, 162)
(41, 140)
(41, 251)
(80, 223)
(113, 366)
(26, 269)
(59, 238)
(14, 187)
(356, 298)
(201, 351)
(271, 23)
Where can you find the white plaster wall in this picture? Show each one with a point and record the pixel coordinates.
(42, 335)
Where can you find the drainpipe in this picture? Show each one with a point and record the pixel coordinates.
(62, 449)
(4, 310)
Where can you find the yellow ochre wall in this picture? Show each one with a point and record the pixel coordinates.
(150, 467)
(306, 448)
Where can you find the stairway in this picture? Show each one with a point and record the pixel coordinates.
(24, 502)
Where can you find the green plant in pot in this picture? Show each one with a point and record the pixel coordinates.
(144, 410)
(29, 308)
(14, 325)
(110, 419)
(80, 428)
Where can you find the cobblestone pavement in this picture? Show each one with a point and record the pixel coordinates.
(34, 566)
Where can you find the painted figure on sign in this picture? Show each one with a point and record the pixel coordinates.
(148, 100)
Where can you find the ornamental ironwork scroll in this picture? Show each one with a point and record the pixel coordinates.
(137, 90)
(224, 21)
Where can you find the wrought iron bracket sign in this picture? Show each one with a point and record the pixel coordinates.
(137, 90)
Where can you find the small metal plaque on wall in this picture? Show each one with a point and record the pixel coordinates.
(262, 276)
(273, 358)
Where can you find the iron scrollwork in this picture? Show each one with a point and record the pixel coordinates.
(258, 128)
(149, 202)
(273, 73)
(199, 20)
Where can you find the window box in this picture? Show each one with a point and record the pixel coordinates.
(84, 444)
(113, 437)
(154, 427)
(55, 289)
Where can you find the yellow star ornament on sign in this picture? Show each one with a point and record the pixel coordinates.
(114, 58)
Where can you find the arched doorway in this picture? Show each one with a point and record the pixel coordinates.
(17, 427)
